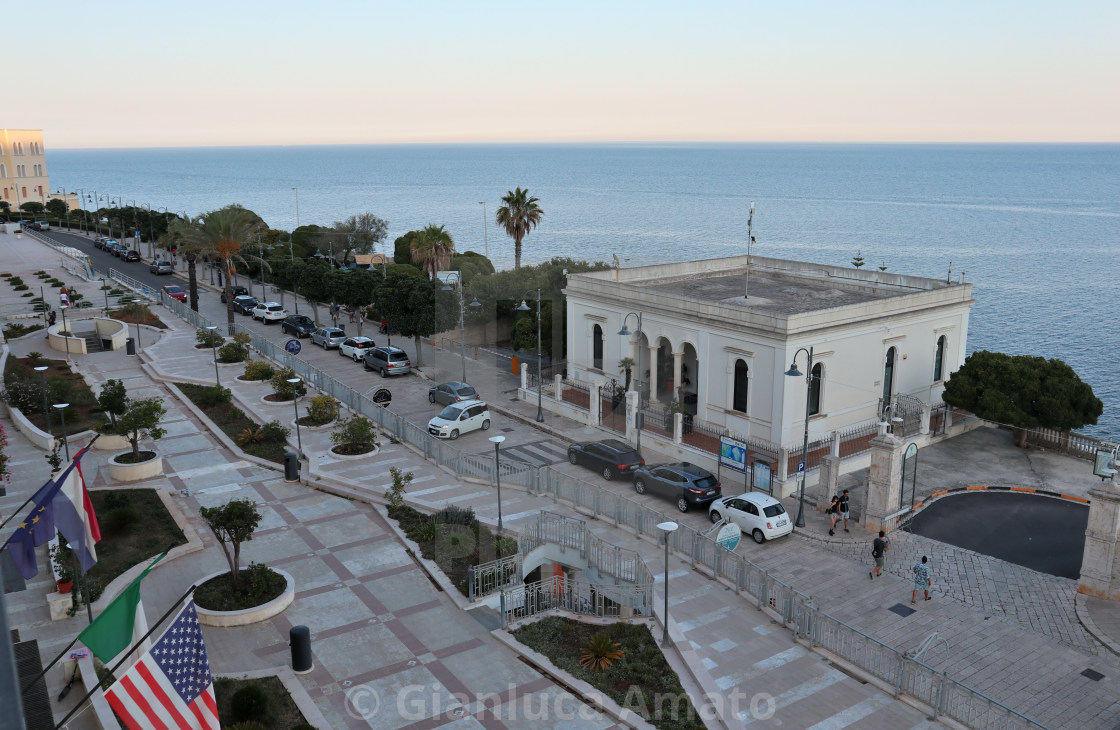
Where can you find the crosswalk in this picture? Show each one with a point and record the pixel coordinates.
(537, 453)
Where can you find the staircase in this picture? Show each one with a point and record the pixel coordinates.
(94, 343)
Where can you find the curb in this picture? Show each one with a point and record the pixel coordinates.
(1081, 608)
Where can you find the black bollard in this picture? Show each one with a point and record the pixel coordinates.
(291, 466)
(299, 638)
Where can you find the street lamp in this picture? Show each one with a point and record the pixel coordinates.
(497, 441)
(65, 330)
(626, 333)
(297, 206)
(485, 233)
(295, 405)
(793, 372)
(462, 314)
(135, 242)
(46, 411)
(525, 308)
(667, 528)
(62, 414)
(213, 330)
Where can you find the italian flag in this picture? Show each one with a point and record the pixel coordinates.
(120, 625)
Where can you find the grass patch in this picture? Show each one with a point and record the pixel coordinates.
(259, 585)
(233, 421)
(137, 314)
(641, 681)
(15, 329)
(283, 713)
(135, 526)
(24, 390)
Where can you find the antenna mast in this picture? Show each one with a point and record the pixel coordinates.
(750, 242)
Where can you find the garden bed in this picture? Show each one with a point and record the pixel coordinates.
(281, 713)
(137, 314)
(641, 681)
(233, 421)
(135, 526)
(131, 458)
(259, 585)
(64, 386)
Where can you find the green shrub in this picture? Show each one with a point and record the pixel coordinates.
(275, 432)
(115, 499)
(27, 294)
(246, 726)
(284, 389)
(209, 338)
(355, 435)
(250, 704)
(456, 515)
(323, 409)
(257, 370)
(232, 352)
(120, 519)
(213, 395)
(22, 287)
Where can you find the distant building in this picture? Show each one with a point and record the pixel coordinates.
(879, 340)
(368, 260)
(23, 167)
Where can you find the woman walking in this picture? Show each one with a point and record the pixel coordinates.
(833, 513)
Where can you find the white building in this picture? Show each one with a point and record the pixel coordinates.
(723, 356)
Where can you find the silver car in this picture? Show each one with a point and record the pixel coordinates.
(328, 337)
(161, 267)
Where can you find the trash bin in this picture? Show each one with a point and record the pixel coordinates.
(130, 346)
(291, 466)
(299, 638)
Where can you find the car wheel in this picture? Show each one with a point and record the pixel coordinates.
(384, 373)
(454, 434)
(682, 503)
(758, 536)
(431, 397)
(608, 473)
(486, 425)
(356, 358)
(340, 352)
(365, 365)
(639, 486)
(572, 458)
(715, 517)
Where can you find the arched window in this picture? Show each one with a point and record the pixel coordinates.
(815, 389)
(3, 170)
(597, 348)
(939, 359)
(888, 376)
(739, 388)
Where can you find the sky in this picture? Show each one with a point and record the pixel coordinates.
(238, 72)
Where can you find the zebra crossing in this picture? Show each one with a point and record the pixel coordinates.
(537, 453)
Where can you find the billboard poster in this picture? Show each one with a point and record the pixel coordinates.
(761, 476)
(732, 453)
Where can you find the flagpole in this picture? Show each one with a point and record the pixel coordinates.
(15, 513)
(124, 656)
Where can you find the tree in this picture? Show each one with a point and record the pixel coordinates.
(57, 208)
(177, 238)
(232, 524)
(32, 207)
(626, 365)
(402, 248)
(518, 216)
(141, 420)
(408, 303)
(432, 249)
(471, 265)
(113, 399)
(362, 231)
(1023, 391)
(223, 232)
(857, 260)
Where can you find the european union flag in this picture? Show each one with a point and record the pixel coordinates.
(36, 529)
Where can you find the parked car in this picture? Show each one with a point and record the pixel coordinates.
(452, 392)
(131, 256)
(236, 291)
(688, 484)
(611, 457)
(269, 312)
(328, 337)
(116, 248)
(26, 226)
(355, 347)
(99, 242)
(387, 361)
(244, 304)
(161, 267)
(42, 226)
(299, 325)
(756, 513)
(175, 292)
(460, 418)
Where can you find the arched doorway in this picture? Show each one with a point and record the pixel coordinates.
(888, 377)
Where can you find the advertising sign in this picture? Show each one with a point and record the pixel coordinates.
(728, 536)
(1101, 467)
(382, 397)
(732, 453)
(761, 477)
(293, 346)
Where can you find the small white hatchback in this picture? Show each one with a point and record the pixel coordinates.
(757, 514)
(460, 418)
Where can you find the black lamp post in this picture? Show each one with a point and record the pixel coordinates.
(462, 314)
(213, 330)
(295, 405)
(62, 414)
(525, 308)
(793, 372)
(667, 528)
(42, 369)
(626, 333)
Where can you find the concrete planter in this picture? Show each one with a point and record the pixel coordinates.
(232, 364)
(135, 472)
(325, 427)
(334, 455)
(243, 381)
(112, 442)
(248, 615)
(284, 403)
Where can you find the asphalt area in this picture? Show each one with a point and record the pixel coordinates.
(1040, 533)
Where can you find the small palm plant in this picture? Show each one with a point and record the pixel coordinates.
(599, 653)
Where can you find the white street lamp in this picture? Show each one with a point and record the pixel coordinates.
(667, 529)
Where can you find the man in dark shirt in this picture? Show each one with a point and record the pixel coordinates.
(878, 551)
(844, 499)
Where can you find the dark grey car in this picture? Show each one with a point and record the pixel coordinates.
(387, 361)
(299, 325)
(610, 457)
(451, 392)
(688, 484)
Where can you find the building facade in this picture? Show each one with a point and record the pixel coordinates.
(716, 344)
(23, 167)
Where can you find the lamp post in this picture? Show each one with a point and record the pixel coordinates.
(497, 440)
(525, 308)
(151, 231)
(667, 528)
(46, 411)
(462, 315)
(213, 330)
(485, 233)
(793, 372)
(65, 330)
(626, 333)
(295, 405)
(297, 206)
(135, 242)
(62, 414)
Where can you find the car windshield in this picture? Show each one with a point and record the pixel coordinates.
(774, 510)
(173, 290)
(451, 413)
(629, 456)
(335, 333)
(397, 356)
(706, 482)
(466, 391)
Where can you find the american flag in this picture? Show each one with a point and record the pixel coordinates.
(170, 686)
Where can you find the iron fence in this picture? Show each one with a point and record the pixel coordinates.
(657, 417)
(566, 594)
(577, 393)
(700, 434)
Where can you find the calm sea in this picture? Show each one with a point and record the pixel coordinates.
(1037, 228)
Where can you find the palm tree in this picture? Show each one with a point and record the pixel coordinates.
(221, 232)
(518, 216)
(177, 237)
(433, 249)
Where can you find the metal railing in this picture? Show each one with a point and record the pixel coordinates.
(797, 610)
(137, 286)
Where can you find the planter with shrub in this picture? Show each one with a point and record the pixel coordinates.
(207, 339)
(140, 419)
(322, 411)
(257, 703)
(354, 437)
(283, 392)
(235, 352)
(256, 371)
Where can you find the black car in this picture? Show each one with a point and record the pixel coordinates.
(610, 458)
(131, 256)
(236, 290)
(299, 325)
(688, 484)
(244, 304)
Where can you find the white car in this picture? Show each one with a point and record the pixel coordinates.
(269, 312)
(355, 347)
(459, 418)
(757, 514)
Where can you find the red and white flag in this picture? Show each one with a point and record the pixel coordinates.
(170, 687)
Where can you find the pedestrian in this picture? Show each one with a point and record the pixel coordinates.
(350, 311)
(361, 320)
(384, 327)
(844, 502)
(922, 581)
(879, 551)
(73, 291)
(833, 513)
(52, 317)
